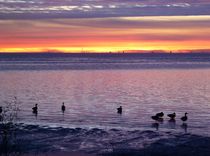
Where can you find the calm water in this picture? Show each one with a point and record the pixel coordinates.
(91, 96)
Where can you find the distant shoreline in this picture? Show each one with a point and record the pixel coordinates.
(38, 54)
(103, 61)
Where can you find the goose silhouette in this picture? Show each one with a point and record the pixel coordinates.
(63, 107)
(35, 109)
(160, 115)
(119, 110)
(172, 116)
(184, 118)
(157, 118)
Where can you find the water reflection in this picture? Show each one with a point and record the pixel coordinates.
(155, 125)
(184, 126)
(35, 115)
(172, 123)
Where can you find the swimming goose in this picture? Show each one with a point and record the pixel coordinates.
(184, 118)
(157, 118)
(35, 109)
(119, 110)
(160, 115)
(63, 108)
(172, 116)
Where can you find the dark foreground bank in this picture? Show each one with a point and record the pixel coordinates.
(31, 140)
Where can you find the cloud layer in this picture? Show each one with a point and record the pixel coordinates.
(36, 9)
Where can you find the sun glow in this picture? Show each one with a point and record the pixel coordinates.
(114, 34)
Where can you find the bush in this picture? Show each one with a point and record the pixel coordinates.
(8, 117)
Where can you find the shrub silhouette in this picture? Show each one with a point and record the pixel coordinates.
(9, 145)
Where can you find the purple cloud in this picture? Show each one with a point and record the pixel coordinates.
(36, 9)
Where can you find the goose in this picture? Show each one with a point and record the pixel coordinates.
(35, 109)
(184, 118)
(160, 115)
(63, 108)
(157, 118)
(119, 110)
(172, 116)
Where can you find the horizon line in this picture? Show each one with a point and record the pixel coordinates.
(197, 52)
(140, 51)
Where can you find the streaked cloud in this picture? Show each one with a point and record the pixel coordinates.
(36, 9)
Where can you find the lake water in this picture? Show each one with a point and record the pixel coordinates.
(92, 87)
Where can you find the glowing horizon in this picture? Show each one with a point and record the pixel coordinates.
(165, 33)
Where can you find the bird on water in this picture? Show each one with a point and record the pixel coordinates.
(172, 116)
(63, 107)
(157, 118)
(35, 109)
(119, 110)
(160, 115)
(1, 117)
(184, 118)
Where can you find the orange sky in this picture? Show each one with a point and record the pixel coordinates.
(168, 33)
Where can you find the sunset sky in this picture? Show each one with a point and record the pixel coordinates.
(104, 25)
